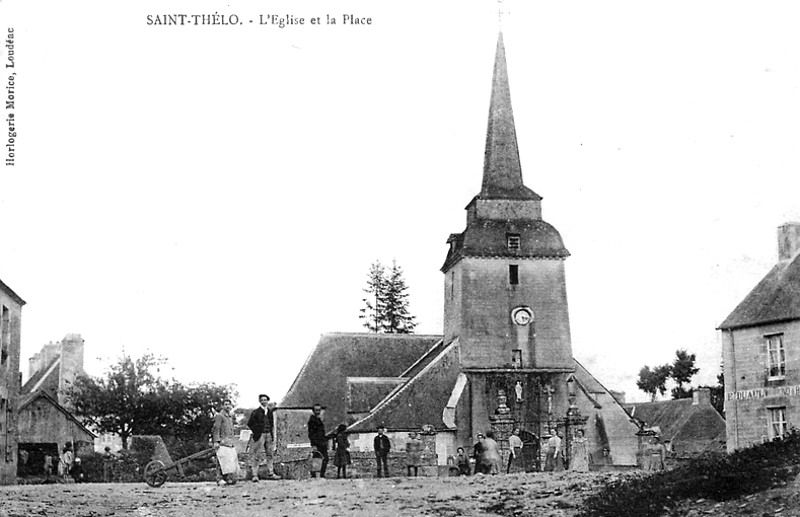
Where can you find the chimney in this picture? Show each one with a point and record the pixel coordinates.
(71, 365)
(701, 396)
(788, 241)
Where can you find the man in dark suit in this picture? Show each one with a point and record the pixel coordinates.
(262, 441)
(382, 447)
(317, 437)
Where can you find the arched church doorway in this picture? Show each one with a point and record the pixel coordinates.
(530, 451)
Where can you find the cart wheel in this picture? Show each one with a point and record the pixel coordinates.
(154, 474)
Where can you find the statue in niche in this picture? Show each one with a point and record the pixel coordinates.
(518, 391)
(502, 408)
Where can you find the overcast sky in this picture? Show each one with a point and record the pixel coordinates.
(216, 194)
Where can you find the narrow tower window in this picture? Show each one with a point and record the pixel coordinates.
(513, 274)
(513, 241)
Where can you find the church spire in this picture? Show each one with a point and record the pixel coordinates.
(502, 172)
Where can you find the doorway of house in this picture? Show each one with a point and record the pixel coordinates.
(33, 459)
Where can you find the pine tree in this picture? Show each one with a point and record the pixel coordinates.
(386, 306)
(397, 319)
(373, 310)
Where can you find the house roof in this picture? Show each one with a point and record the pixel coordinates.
(774, 299)
(420, 401)
(27, 399)
(680, 420)
(323, 378)
(10, 292)
(45, 377)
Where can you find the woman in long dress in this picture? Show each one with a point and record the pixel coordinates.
(342, 457)
(579, 460)
(554, 461)
(413, 453)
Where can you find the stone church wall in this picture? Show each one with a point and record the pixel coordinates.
(489, 335)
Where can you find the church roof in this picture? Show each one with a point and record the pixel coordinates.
(421, 401)
(363, 394)
(502, 172)
(323, 378)
(774, 299)
(488, 238)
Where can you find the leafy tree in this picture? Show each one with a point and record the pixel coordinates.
(133, 399)
(654, 381)
(386, 306)
(683, 369)
(718, 394)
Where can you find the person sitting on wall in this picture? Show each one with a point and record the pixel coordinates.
(462, 462)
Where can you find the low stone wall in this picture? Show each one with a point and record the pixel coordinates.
(364, 465)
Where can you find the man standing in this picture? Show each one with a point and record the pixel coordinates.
(262, 439)
(382, 447)
(318, 438)
(477, 450)
(222, 436)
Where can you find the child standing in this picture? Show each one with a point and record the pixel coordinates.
(342, 457)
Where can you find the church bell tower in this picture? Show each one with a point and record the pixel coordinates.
(505, 298)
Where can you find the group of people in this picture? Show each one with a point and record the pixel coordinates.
(382, 446)
(261, 445)
(486, 455)
(556, 455)
(68, 467)
(486, 458)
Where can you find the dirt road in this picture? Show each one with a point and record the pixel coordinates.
(516, 495)
(520, 494)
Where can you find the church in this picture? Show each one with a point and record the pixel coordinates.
(504, 359)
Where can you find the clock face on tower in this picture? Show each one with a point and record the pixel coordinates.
(522, 315)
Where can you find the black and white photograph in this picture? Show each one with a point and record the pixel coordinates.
(327, 258)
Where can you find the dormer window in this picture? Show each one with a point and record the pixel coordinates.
(513, 241)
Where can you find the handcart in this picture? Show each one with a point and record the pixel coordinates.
(155, 472)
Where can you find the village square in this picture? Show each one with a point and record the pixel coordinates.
(494, 413)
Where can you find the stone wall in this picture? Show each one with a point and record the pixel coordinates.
(42, 422)
(10, 329)
(363, 465)
(749, 392)
(487, 335)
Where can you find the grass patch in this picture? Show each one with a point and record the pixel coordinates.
(719, 476)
